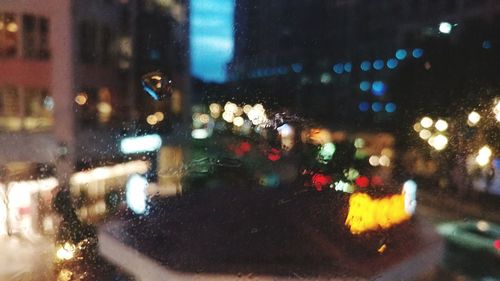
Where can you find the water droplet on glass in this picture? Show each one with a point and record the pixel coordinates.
(157, 85)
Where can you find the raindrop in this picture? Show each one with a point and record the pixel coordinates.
(157, 85)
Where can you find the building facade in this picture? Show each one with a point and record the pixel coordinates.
(70, 90)
(342, 53)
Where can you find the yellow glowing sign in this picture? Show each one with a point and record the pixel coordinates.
(367, 214)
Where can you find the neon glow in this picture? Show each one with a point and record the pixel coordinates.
(136, 194)
(368, 214)
(140, 144)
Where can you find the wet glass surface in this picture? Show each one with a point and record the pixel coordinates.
(253, 140)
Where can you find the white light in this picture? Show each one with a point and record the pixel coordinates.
(445, 27)
(140, 144)
(200, 134)
(285, 130)
(247, 108)
(228, 116)
(486, 151)
(238, 121)
(483, 225)
(425, 134)
(230, 107)
(384, 161)
(374, 160)
(108, 172)
(426, 122)
(441, 125)
(136, 193)
(439, 142)
(483, 157)
(474, 118)
(497, 116)
(410, 194)
(215, 108)
(482, 160)
(66, 251)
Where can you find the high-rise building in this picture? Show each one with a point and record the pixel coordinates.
(335, 59)
(70, 87)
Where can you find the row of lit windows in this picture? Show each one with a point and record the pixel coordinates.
(29, 31)
(25, 109)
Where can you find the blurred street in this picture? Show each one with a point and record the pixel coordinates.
(26, 259)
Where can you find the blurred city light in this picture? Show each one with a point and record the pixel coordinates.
(439, 142)
(445, 27)
(401, 54)
(151, 120)
(417, 127)
(441, 125)
(486, 44)
(326, 152)
(483, 157)
(426, 122)
(384, 161)
(410, 194)
(344, 186)
(390, 107)
(338, 68)
(377, 106)
(483, 225)
(348, 67)
(425, 134)
(159, 116)
(81, 98)
(228, 116)
(374, 160)
(136, 193)
(66, 251)
(365, 65)
(392, 63)
(417, 53)
(378, 64)
(364, 86)
(367, 214)
(364, 106)
(359, 143)
(238, 121)
(378, 88)
(200, 134)
(140, 144)
(215, 110)
(473, 118)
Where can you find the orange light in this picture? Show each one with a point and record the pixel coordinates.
(367, 214)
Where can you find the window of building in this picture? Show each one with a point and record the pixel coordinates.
(25, 109)
(38, 109)
(10, 109)
(8, 35)
(95, 42)
(35, 37)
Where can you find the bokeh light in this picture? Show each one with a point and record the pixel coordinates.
(426, 122)
(441, 125)
(473, 118)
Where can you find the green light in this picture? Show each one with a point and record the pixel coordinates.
(351, 174)
(359, 143)
(326, 152)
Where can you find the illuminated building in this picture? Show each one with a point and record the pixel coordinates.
(306, 54)
(69, 84)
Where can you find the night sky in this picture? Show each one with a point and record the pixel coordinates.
(211, 38)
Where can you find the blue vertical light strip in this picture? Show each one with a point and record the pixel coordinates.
(211, 38)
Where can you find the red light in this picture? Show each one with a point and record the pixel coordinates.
(245, 146)
(362, 181)
(319, 181)
(274, 155)
(496, 244)
(377, 181)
